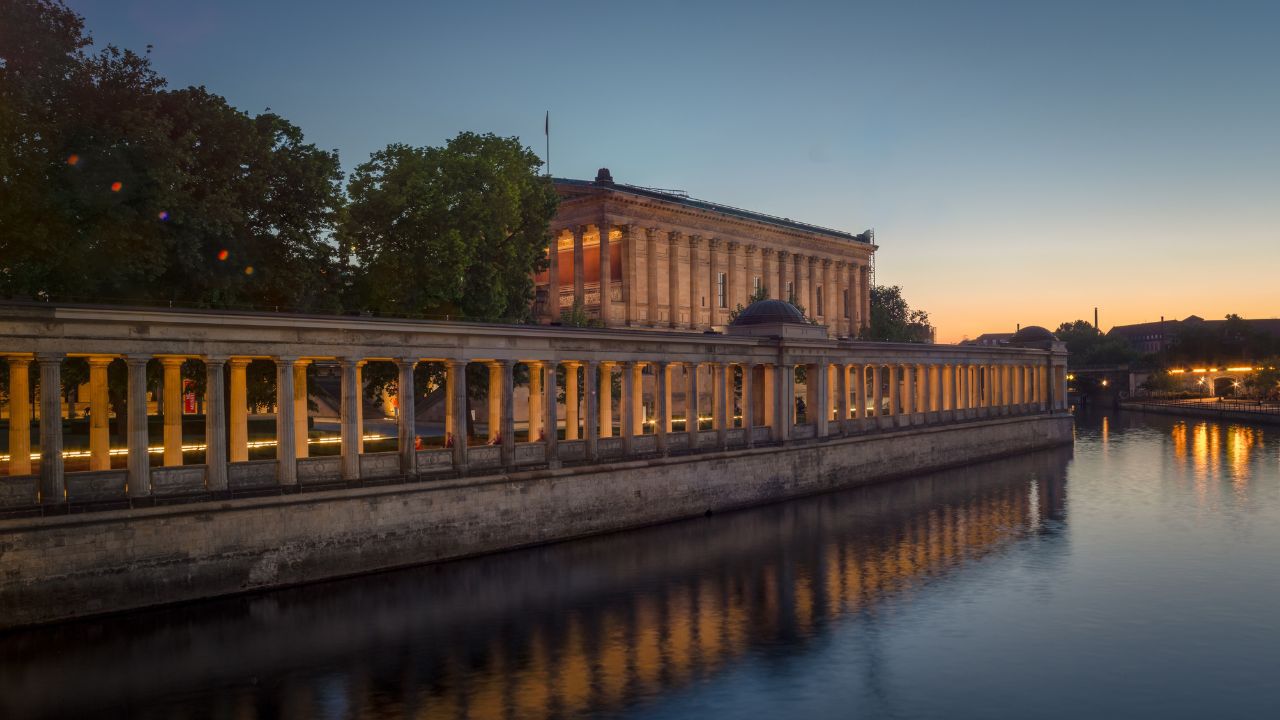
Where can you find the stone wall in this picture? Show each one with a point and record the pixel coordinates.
(74, 565)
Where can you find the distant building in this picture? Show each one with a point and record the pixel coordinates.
(990, 339)
(1153, 337)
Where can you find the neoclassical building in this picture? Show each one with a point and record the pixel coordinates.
(676, 263)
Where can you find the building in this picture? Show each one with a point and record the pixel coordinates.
(676, 263)
(1153, 337)
(990, 339)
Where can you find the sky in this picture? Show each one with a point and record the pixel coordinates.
(1021, 162)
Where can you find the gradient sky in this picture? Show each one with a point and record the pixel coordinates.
(1021, 162)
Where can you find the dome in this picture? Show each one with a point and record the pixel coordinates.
(767, 312)
(1032, 333)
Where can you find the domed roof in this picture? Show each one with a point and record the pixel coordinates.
(765, 312)
(1032, 333)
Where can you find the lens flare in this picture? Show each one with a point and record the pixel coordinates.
(164, 215)
(72, 159)
(222, 254)
(248, 270)
(116, 186)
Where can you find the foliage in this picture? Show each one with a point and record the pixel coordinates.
(452, 231)
(1232, 341)
(893, 320)
(577, 316)
(1265, 381)
(1087, 346)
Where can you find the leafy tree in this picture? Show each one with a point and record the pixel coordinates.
(893, 320)
(1086, 345)
(455, 231)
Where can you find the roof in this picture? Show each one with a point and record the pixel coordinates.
(1269, 326)
(867, 237)
(1032, 333)
(763, 312)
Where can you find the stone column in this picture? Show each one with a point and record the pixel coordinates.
(215, 424)
(842, 398)
(860, 394)
(627, 408)
(768, 396)
(52, 478)
(535, 401)
(572, 421)
(828, 301)
(603, 228)
(691, 404)
(895, 409)
(651, 273)
(673, 280)
(550, 422)
(797, 277)
(508, 419)
(456, 408)
(171, 401)
(864, 297)
(811, 285)
(553, 277)
(407, 417)
(348, 423)
(747, 288)
(239, 410)
(877, 392)
(606, 399)
(785, 407)
(20, 415)
(99, 414)
(748, 403)
(286, 453)
(139, 462)
(360, 406)
(494, 403)
(714, 262)
(732, 298)
(629, 274)
(908, 393)
(579, 292)
(780, 263)
(822, 412)
(300, 410)
(662, 403)
(720, 380)
(636, 400)
(695, 295)
(590, 424)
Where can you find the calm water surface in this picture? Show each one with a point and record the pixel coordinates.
(1136, 576)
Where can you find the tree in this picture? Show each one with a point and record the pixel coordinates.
(1086, 345)
(455, 231)
(893, 320)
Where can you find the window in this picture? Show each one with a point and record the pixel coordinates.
(791, 292)
(846, 303)
(755, 289)
(721, 294)
(818, 310)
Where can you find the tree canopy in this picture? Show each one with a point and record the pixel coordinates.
(1087, 345)
(893, 320)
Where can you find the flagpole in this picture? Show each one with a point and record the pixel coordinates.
(546, 130)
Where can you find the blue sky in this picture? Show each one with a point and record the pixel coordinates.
(1021, 162)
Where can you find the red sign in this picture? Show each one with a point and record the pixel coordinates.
(189, 396)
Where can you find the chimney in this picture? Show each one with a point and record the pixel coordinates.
(1095, 319)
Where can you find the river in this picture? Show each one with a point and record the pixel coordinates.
(1134, 575)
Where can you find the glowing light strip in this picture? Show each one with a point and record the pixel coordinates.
(159, 449)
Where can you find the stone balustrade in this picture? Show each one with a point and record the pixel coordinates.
(619, 394)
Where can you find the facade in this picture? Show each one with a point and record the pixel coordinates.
(1153, 337)
(675, 263)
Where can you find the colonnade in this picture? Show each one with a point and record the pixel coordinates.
(706, 277)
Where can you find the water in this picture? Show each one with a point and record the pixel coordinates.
(1136, 576)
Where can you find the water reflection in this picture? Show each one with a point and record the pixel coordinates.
(585, 627)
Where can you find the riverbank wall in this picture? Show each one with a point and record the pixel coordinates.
(1210, 411)
(68, 566)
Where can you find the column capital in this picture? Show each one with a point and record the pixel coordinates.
(133, 360)
(782, 254)
(412, 362)
(651, 233)
(674, 236)
(285, 359)
(695, 240)
(571, 364)
(239, 361)
(840, 264)
(456, 363)
(302, 362)
(732, 246)
(750, 249)
(19, 360)
(714, 243)
(45, 358)
(826, 262)
(94, 360)
(813, 260)
(169, 360)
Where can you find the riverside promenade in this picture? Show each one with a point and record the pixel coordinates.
(772, 409)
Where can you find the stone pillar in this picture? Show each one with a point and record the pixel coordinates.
(52, 478)
(535, 401)
(908, 393)
(691, 404)
(785, 407)
(851, 299)
(797, 277)
(20, 415)
(864, 297)
(171, 400)
(99, 414)
(780, 281)
(723, 389)
(550, 422)
(732, 277)
(139, 462)
(673, 280)
(239, 410)
(636, 398)
(695, 295)
(348, 423)
(895, 410)
(579, 291)
(714, 261)
(456, 409)
(629, 275)
(768, 396)
(360, 406)
(822, 413)
(842, 398)
(553, 277)
(572, 421)
(606, 399)
(406, 417)
(300, 410)
(590, 424)
(508, 419)
(628, 407)
(747, 288)
(494, 403)
(828, 295)
(286, 453)
(603, 228)
(811, 285)
(215, 424)
(860, 394)
(651, 273)
(748, 403)
(662, 406)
